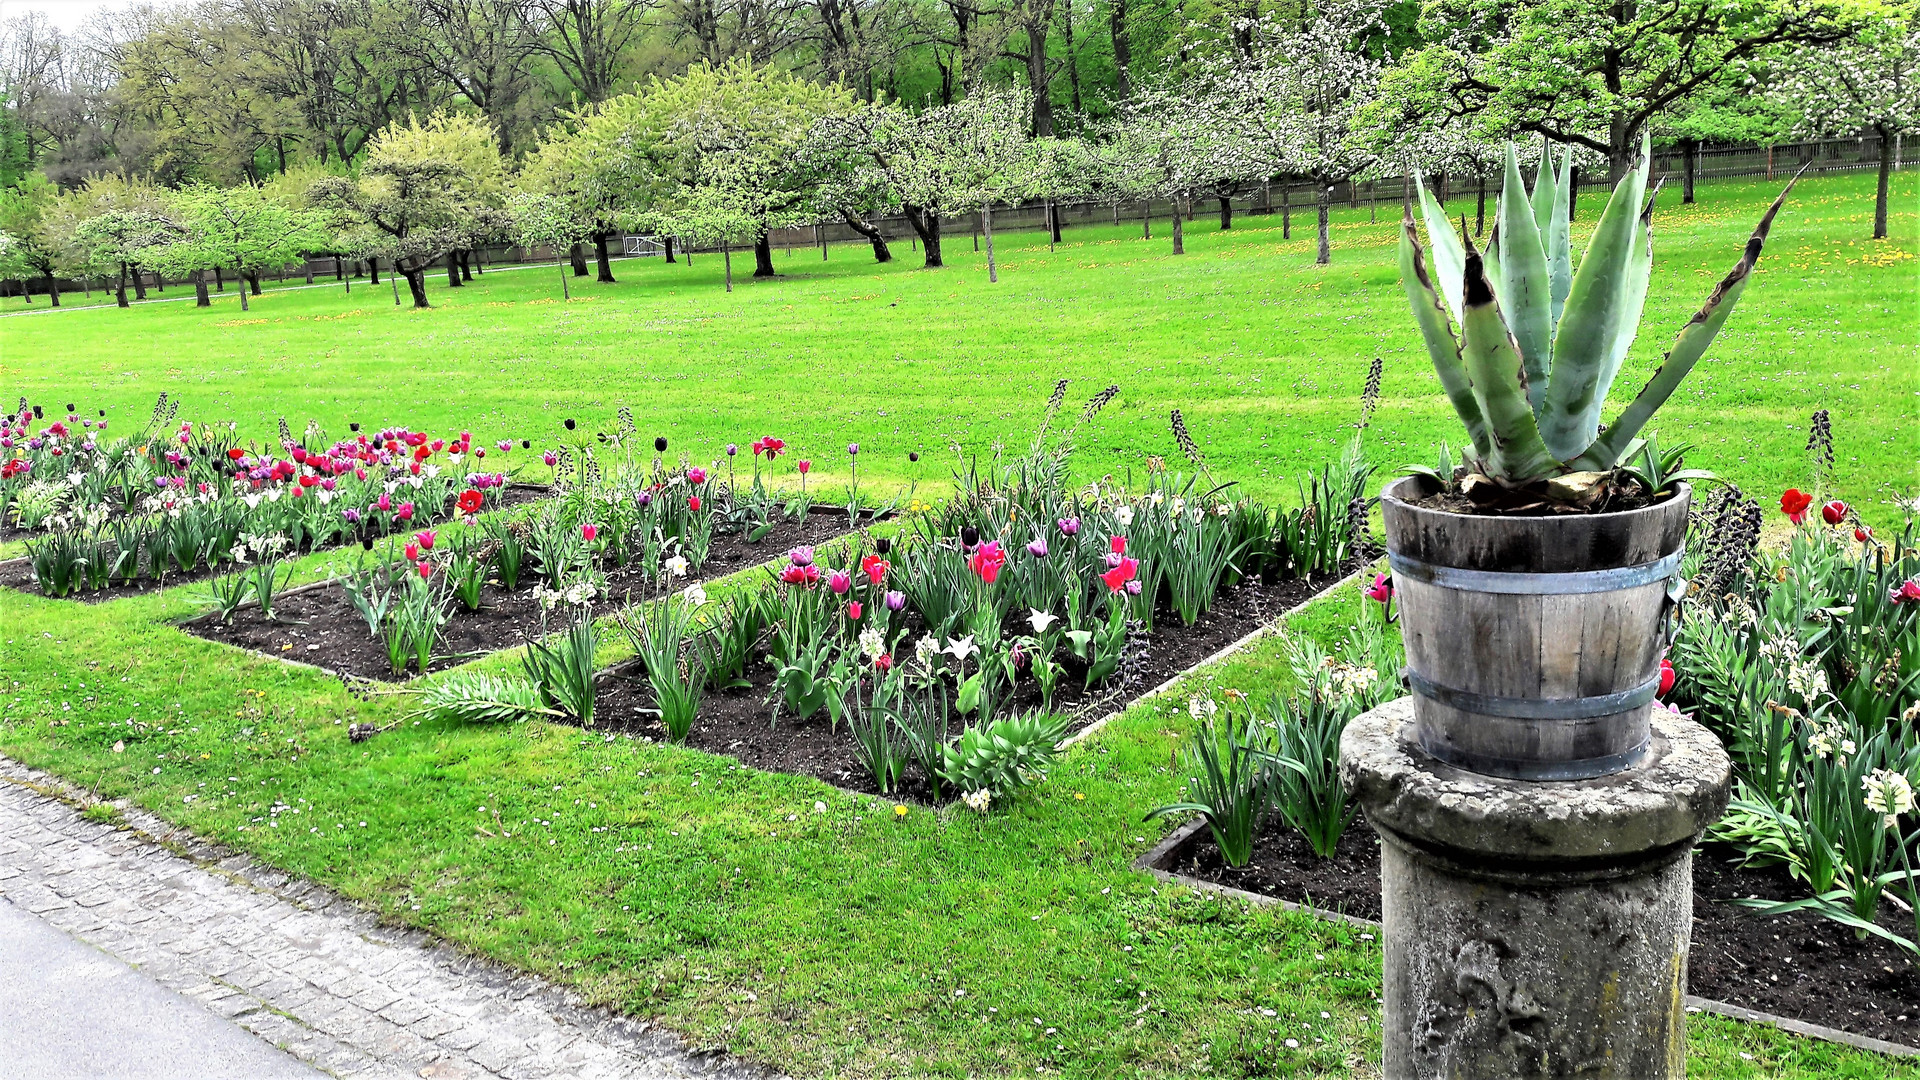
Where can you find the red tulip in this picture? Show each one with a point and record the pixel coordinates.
(1834, 512)
(1910, 590)
(425, 539)
(405, 513)
(1794, 503)
(1862, 533)
(805, 466)
(412, 551)
(875, 568)
(693, 503)
(884, 662)
(1381, 589)
(469, 503)
(840, 582)
(853, 611)
(1666, 677)
(1117, 545)
(426, 570)
(589, 531)
(236, 453)
(987, 561)
(697, 475)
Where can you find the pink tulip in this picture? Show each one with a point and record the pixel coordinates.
(589, 531)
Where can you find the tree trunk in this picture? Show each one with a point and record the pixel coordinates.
(417, 285)
(200, 297)
(1146, 219)
(1122, 49)
(1226, 213)
(1039, 81)
(579, 261)
(669, 244)
(986, 226)
(1053, 217)
(762, 255)
(1880, 192)
(339, 269)
(1690, 167)
(603, 261)
(1573, 192)
(1480, 208)
(220, 280)
(479, 261)
(1326, 252)
(1286, 211)
(560, 265)
(926, 224)
(871, 232)
(466, 266)
(453, 270)
(243, 297)
(726, 254)
(253, 282)
(139, 283)
(307, 265)
(120, 293)
(1179, 233)
(53, 280)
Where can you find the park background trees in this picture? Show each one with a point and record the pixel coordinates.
(406, 125)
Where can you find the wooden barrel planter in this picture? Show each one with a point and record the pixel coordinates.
(1534, 643)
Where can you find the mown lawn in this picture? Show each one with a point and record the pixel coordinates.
(1264, 352)
(850, 942)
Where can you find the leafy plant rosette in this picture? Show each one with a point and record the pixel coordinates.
(1527, 346)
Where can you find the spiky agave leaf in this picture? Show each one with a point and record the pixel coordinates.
(1639, 274)
(1691, 344)
(1551, 194)
(1431, 315)
(1584, 341)
(1449, 258)
(1524, 289)
(1517, 453)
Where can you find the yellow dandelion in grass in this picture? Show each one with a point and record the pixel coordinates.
(1080, 796)
(899, 810)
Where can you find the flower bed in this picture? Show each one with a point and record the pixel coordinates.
(739, 722)
(106, 516)
(322, 626)
(1794, 964)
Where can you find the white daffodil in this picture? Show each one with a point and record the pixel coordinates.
(872, 643)
(978, 801)
(696, 595)
(1124, 515)
(1040, 620)
(1889, 794)
(1157, 498)
(677, 566)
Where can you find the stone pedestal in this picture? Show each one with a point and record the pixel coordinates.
(1535, 928)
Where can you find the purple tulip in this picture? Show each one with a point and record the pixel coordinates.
(352, 515)
(1037, 548)
(644, 499)
(896, 601)
(1114, 559)
(801, 556)
(732, 449)
(1133, 587)
(1069, 526)
(853, 449)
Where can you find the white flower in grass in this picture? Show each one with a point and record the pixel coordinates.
(1889, 794)
(872, 643)
(677, 566)
(696, 595)
(1200, 707)
(1123, 515)
(581, 593)
(1177, 507)
(74, 478)
(1821, 743)
(1157, 498)
(252, 500)
(1223, 509)
(961, 648)
(978, 801)
(273, 495)
(1041, 619)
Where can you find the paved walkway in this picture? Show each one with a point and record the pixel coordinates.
(278, 956)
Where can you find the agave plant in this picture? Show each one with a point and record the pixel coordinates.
(1527, 346)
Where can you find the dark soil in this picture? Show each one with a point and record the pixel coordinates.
(320, 626)
(17, 574)
(1533, 500)
(1795, 965)
(741, 723)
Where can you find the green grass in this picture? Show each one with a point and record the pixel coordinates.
(716, 899)
(1263, 351)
